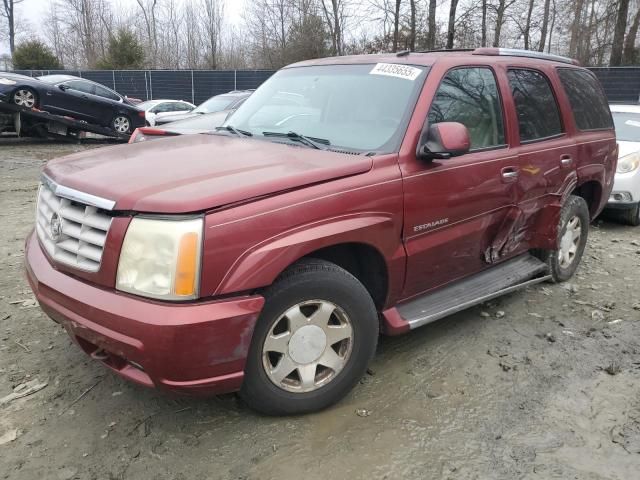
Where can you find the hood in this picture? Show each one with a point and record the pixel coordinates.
(16, 76)
(166, 117)
(625, 148)
(198, 172)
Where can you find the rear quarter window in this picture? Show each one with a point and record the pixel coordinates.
(588, 103)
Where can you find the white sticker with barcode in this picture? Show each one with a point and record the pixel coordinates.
(394, 70)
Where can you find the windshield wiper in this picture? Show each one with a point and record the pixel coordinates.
(313, 142)
(240, 133)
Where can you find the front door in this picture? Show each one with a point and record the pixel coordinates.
(455, 208)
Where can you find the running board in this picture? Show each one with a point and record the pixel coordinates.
(506, 277)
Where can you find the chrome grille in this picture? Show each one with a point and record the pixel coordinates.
(71, 232)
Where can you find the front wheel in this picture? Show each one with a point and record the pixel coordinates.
(314, 339)
(25, 97)
(121, 124)
(573, 229)
(631, 216)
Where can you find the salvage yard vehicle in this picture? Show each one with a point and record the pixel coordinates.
(268, 257)
(154, 107)
(626, 187)
(206, 123)
(225, 102)
(74, 97)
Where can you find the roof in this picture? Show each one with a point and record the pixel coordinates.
(429, 58)
(622, 108)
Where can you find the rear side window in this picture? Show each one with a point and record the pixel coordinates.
(470, 96)
(590, 108)
(538, 114)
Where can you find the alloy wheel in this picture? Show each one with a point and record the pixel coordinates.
(24, 98)
(570, 242)
(121, 124)
(307, 346)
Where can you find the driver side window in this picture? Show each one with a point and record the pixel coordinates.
(470, 96)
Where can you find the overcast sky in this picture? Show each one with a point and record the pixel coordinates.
(32, 13)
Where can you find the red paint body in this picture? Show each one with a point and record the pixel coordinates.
(267, 205)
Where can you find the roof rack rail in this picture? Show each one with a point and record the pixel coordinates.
(516, 52)
(445, 50)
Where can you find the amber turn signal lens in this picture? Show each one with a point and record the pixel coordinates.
(187, 265)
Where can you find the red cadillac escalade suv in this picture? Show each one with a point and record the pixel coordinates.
(347, 197)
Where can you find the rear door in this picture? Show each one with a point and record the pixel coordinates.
(546, 152)
(81, 100)
(454, 208)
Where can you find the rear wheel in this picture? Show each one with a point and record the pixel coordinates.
(573, 229)
(631, 216)
(121, 124)
(313, 341)
(25, 97)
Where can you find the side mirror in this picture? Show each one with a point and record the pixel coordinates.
(443, 140)
(62, 87)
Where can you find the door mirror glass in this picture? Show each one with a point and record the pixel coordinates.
(62, 87)
(444, 140)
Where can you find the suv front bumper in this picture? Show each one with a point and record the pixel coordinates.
(196, 348)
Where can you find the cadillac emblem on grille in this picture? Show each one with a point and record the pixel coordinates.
(55, 227)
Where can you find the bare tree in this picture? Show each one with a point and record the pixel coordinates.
(451, 31)
(483, 42)
(618, 35)
(431, 33)
(630, 56)
(396, 25)
(500, 10)
(545, 25)
(334, 18)
(148, 8)
(9, 13)
(212, 17)
(412, 26)
(527, 27)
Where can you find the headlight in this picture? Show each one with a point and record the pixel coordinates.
(628, 163)
(161, 258)
(6, 81)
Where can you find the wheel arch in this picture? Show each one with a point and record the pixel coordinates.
(365, 245)
(591, 192)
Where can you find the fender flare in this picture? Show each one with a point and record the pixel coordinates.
(261, 265)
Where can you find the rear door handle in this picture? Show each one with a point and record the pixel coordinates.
(509, 174)
(566, 160)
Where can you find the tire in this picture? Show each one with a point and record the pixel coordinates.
(631, 216)
(25, 97)
(121, 124)
(561, 267)
(309, 287)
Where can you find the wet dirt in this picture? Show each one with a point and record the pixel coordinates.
(543, 383)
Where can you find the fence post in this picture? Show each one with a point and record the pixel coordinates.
(150, 85)
(146, 87)
(113, 76)
(235, 79)
(193, 93)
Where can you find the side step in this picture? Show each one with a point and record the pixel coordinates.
(506, 277)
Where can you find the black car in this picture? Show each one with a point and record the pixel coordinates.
(72, 96)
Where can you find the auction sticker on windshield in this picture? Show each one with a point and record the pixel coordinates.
(394, 70)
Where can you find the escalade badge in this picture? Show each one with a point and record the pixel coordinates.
(55, 227)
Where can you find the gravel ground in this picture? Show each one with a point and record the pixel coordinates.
(543, 383)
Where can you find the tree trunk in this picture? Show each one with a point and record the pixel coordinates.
(484, 23)
(545, 25)
(396, 25)
(618, 35)
(412, 40)
(527, 27)
(576, 26)
(452, 24)
(499, 21)
(337, 27)
(431, 35)
(553, 24)
(629, 53)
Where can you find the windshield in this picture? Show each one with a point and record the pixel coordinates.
(215, 104)
(354, 107)
(627, 126)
